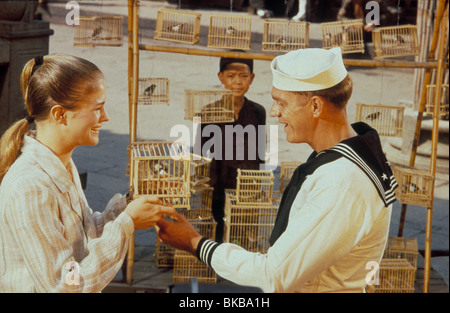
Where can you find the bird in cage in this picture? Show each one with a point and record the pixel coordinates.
(96, 32)
(149, 90)
(281, 42)
(161, 169)
(175, 28)
(410, 187)
(399, 39)
(231, 30)
(373, 116)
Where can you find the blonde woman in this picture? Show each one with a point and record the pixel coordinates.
(50, 239)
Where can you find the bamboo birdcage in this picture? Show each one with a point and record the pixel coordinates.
(402, 248)
(395, 276)
(395, 41)
(444, 103)
(161, 169)
(153, 91)
(386, 119)
(249, 225)
(178, 25)
(199, 172)
(212, 105)
(254, 186)
(345, 34)
(287, 169)
(229, 31)
(285, 35)
(94, 31)
(187, 266)
(415, 186)
(200, 205)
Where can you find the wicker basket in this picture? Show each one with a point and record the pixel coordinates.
(444, 106)
(99, 31)
(187, 266)
(415, 186)
(287, 169)
(254, 186)
(402, 248)
(212, 106)
(153, 91)
(283, 35)
(395, 41)
(387, 120)
(395, 276)
(178, 25)
(229, 31)
(345, 34)
(249, 225)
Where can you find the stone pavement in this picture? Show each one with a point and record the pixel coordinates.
(106, 163)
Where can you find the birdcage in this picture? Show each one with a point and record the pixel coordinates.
(199, 171)
(164, 254)
(249, 225)
(395, 41)
(212, 106)
(178, 25)
(98, 31)
(229, 31)
(200, 205)
(402, 248)
(254, 186)
(153, 91)
(345, 34)
(386, 119)
(415, 186)
(161, 169)
(395, 276)
(285, 35)
(187, 266)
(444, 106)
(287, 169)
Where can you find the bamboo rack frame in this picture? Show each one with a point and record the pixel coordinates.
(430, 65)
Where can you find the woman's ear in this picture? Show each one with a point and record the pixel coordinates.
(57, 113)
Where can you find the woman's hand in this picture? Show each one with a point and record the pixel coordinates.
(145, 211)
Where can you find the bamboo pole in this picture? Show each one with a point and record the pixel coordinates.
(133, 71)
(435, 137)
(130, 61)
(270, 57)
(423, 99)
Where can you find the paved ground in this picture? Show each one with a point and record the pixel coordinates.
(106, 163)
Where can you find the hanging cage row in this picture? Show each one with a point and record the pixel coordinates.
(234, 32)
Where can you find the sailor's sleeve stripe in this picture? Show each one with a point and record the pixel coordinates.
(205, 250)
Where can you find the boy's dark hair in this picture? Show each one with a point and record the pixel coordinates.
(225, 61)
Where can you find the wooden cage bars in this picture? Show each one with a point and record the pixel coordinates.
(254, 186)
(229, 31)
(160, 168)
(395, 41)
(287, 169)
(249, 225)
(153, 91)
(395, 276)
(444, 103)
(178, 25)
(99, 31)
(187, 266)
(415, 186)
(386, 119)
(212, 106)
(282, 35)
(345, 34)
(402, 248)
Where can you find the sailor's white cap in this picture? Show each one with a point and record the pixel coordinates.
(308, 69)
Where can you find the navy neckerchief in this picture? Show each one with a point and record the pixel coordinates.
(364, 150)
